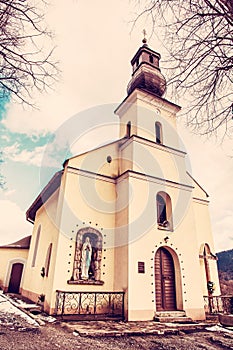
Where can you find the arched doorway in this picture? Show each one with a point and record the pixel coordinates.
(165, 281)
(15, 278)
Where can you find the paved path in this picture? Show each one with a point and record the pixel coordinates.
(113, 328)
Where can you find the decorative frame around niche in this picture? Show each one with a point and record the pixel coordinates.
(96, 240)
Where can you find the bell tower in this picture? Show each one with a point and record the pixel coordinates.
(145, 112)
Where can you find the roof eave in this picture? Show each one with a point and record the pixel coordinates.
(45, 194)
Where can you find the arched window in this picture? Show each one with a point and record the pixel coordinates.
(151, 59)
(206, 254)
(88, 256)
(47, 259)
(164, 210)
(36, 246)
(128, 129)
(206, 260)
(158, 132)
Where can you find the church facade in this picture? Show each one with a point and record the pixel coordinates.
(126, 220)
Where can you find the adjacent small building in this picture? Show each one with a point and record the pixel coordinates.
(124, 229)
(13, 258)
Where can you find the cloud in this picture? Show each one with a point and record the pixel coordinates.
(30, 157)
(9, 193)
(12, 150)
(5, 138)
(38, 157)
(213, 169)
(13, 224)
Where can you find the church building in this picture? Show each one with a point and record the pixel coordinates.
(124, 230)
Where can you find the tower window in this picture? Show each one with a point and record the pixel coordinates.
(151, 59)
(158, 132)
(137, 62)
(128, 129)
(164, 210)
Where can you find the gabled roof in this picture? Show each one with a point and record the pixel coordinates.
(23, 243)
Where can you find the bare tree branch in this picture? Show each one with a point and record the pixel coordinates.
(198, 35)
(26, 63)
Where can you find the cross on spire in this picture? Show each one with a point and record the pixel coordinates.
(144, 40)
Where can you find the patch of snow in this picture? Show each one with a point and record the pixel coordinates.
(219, 328)
(6, 306)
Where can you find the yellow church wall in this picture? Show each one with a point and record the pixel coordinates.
(202, 222)
(89, 201)
(143, 110)
(182, 244)
(130, 115)
(9, 256)
(156, 161)
(188, 248)
(34, 284)
(121, 240)
(204, 236)
(126, 156)
(150, 112)
(88, 197)
(96, 161)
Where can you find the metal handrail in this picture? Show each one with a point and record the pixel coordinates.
(110, 304)
(218, 304)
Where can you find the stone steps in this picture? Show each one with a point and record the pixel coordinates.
(184, 319)
(172, 317)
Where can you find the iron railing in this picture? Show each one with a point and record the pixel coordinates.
(218, 304)
(90, 305)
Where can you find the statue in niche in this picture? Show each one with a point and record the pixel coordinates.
(86, 258)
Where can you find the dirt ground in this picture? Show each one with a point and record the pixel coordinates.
(53, 336)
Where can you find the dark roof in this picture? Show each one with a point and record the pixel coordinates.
(23, 243)
(144, 48)
(49, 189)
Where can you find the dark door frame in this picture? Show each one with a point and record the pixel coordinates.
(165, 281)
(15, 277)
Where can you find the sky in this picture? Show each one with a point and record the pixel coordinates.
(94, 45)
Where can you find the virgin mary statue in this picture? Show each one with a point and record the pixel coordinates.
(86, 258)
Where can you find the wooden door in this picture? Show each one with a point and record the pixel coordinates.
(165, 288)
(15, 279)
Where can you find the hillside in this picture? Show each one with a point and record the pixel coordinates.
(225, 268)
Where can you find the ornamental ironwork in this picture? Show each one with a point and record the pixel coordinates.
(90, 304)
(218, 304)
